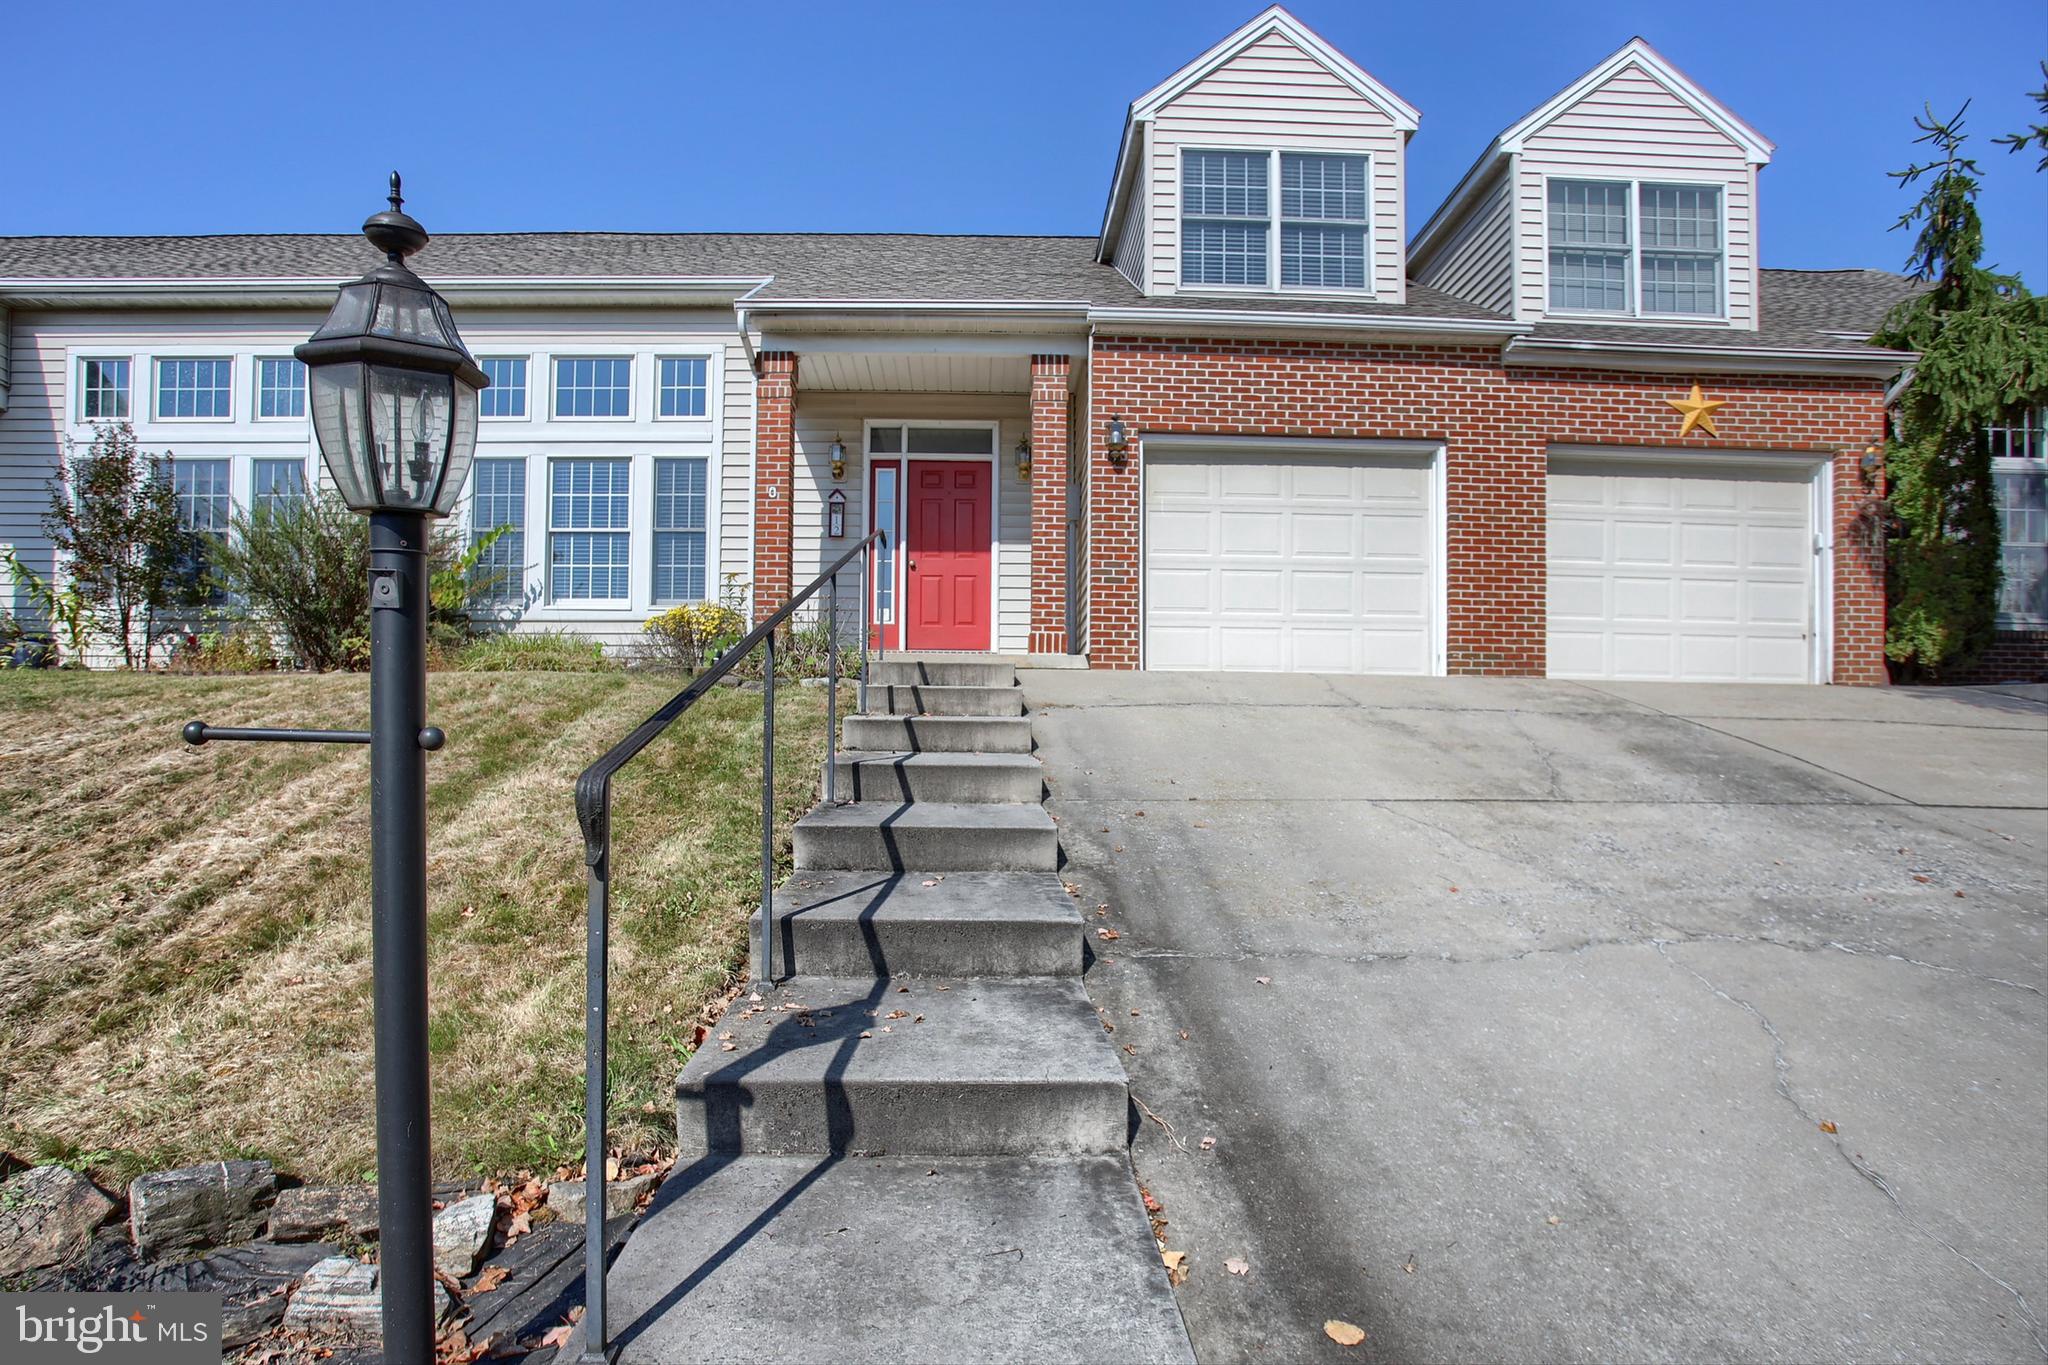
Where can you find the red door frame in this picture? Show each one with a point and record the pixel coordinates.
(892, 629)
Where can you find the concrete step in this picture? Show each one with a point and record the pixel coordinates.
(928, 699)
(942, 673)
(992, 1068)
(941, 836)
(907, 776)
(883, 1261)
(857, 924)
(938, 734)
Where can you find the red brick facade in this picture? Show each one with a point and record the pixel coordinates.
(774, 473)
(1049, 375)
(2014, 656)
(1497, 425)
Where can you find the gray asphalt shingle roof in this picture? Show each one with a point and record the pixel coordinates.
(1800, 309)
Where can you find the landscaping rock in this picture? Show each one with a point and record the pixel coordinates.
(320, 1211)
(198, 1207)
(338, 1298)
(565, 1197)
(462, 1232)
(47, 1216)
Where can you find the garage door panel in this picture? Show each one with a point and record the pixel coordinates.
(1316, 563)
(1702, 573)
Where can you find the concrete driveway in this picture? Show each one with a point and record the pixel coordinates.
(1552, 1021)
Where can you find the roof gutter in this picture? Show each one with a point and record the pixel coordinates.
(1232, 319)
(1698, 359)
(288, 291)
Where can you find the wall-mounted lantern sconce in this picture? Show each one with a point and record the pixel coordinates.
(838, 458)
(835, 515)
(1119, 442)
(1024, 459)
(1870, 464)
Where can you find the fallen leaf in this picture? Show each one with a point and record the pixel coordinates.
(1343, 1333)
(1152, 1205)
(932, 881)
(898, 1014)
(1918, 877)
(1263, 980)
(865, 1034)
(492, 1277)
(1107, 934)
(1454, 890)
(556, 1337)
(1208, 1144)
(1553, 1220)
(1828, 1126)
(1183, 1035)
(1176, 1267)
(1961, 896)
(755, 998)
(919, 1019)
(728, 1047)
(1238, 1265)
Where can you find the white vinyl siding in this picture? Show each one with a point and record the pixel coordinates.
(1632, 129)
(1477, 262)
(1133, 238)
(589, 538)
(1272, 97)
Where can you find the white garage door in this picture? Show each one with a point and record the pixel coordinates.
(1280, 561)
(1702, 574)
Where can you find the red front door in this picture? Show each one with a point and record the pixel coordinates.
(946, 545)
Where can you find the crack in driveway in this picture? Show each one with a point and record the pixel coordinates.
(1782, 1066)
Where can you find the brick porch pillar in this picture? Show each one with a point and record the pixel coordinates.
(1859, 528)
(1049, 376)
(774, 476)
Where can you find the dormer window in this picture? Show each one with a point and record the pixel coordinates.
(1229, 234)
(1633, 248)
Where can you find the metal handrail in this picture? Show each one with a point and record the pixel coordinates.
(594, 814)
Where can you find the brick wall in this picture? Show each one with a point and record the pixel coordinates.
(1049, 503)
(774, 475)
(2014, 656)
(1496, 425)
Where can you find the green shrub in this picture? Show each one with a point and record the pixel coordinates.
(548, 651)
(301, 570)
(235, 650)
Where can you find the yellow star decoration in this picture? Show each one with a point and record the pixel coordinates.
(1698, 410)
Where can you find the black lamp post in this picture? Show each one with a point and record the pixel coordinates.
(394, 409)
(394, 404)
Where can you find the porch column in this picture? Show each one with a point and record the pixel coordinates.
(774, 477)
(1049, 375)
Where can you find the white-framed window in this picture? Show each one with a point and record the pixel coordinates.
(103, 389)
(682, 388)
(679, 522)
(1323, 221)
(274, 484)
(2019, 476)
(506, 397)
(498, 498)
(201, 487)
(593, 386)
(589, 545)
(195, 388)
(1635, 248)
(1225, 217)
(280, 387)
(1231, 234)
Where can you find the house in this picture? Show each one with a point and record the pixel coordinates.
(1569, 426)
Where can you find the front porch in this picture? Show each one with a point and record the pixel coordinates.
(959, 448)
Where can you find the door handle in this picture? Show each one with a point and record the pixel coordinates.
(913, 563)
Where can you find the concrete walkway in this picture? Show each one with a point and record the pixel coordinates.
(1551, 1021)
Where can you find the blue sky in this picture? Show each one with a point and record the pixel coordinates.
(960, 117)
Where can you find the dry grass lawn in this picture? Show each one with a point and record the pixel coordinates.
(184, 934)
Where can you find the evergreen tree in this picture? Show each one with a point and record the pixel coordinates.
(1983, 346)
